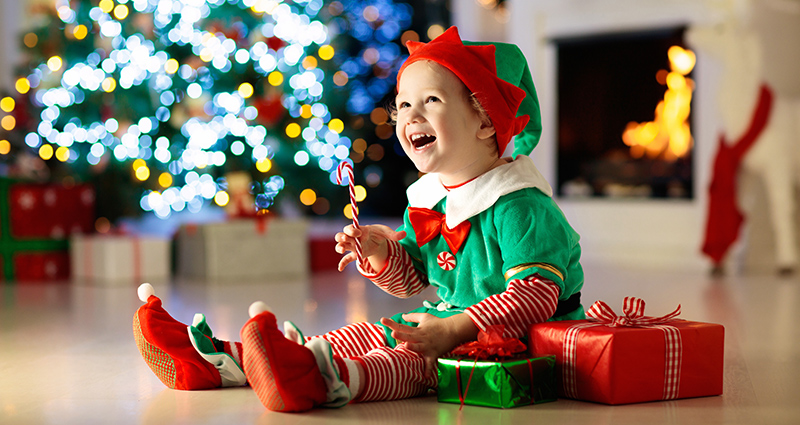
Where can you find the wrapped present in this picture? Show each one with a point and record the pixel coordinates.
(491, 372)
(119, 258)
(243, 249)
(632, 358)
(36, 221)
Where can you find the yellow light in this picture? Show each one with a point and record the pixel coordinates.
(305, 111)
(207, 55)
(340, 78)
(348, 211)
(263, 165)
(171, 66)
(54, 63)
(246, 90)
(165, 180)
(46, 152)
(106, 5)
(308, 197)
(142, 173)
(336, 125)
(681, 60)
(7, 104)
(275, 78)
(326, 52)
(222, 198)
(310, 62)
(435, 31)
(5, 147)
(80, 32)
(62, 153)
(8, 123)
(361, 193)
(109, 84)
(293, 130)
(22, 85)
(121, 12)
(30, 40)
(138, 163)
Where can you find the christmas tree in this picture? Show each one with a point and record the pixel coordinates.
(156, 101)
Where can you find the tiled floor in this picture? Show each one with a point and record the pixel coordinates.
(68, 354)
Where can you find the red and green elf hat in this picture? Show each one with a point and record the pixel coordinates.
(498, 75)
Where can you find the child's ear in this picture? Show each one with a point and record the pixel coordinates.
(486, 131)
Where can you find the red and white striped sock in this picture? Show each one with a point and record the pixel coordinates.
(393, 374)
(356, 339)
(348, 373)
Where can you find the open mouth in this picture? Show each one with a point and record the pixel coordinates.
(420, 140)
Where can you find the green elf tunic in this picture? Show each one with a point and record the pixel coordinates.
(515, 230)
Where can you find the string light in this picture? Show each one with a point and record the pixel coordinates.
(186, 94)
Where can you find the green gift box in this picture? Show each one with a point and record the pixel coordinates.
(499, 383)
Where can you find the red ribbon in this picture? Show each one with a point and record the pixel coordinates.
(633, 314)
(490, 343)
(427, 224)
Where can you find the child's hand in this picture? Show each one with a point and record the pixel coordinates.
(434, 336)
(373, 244)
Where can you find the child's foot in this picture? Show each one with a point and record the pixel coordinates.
(168, 347)
(286, 375)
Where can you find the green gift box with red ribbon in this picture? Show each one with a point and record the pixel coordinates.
(502, 383)
(492, 372)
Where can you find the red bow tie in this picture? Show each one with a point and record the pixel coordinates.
(427, 224)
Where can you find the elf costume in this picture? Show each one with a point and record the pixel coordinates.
(497, 248)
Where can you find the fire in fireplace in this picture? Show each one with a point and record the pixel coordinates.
(624, 115)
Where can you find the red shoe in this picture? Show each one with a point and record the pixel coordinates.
(283, 373)
(165, 346)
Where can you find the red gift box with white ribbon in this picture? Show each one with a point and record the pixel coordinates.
(632, 358)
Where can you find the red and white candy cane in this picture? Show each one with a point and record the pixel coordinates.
(345, 166)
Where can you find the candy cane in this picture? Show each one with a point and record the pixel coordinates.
(345, 166)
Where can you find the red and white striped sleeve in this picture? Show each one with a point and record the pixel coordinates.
(525, 301)
(399, 277)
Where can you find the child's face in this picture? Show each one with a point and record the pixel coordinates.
(437, 126)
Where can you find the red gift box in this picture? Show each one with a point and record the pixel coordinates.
(35, 222)
(632, 358)
(50, 211)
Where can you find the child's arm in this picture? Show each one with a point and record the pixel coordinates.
(524, 302)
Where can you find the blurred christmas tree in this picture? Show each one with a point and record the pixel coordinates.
(156, 101)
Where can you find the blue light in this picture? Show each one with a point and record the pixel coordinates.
(237, 148)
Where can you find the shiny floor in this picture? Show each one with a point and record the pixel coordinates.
(68, 354)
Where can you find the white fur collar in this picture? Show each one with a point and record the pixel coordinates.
(480, 194)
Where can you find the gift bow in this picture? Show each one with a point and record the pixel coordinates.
(490, 343)
(633, 314)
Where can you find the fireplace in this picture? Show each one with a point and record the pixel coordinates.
(619, 132)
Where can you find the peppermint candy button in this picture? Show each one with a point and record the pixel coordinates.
(446, 260)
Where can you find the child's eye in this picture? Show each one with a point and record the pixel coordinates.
(432, 99)
(404, 105)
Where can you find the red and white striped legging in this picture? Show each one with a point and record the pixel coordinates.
(389, 373)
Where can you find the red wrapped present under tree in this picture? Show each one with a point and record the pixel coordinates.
(632, 358)
(35, 223)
